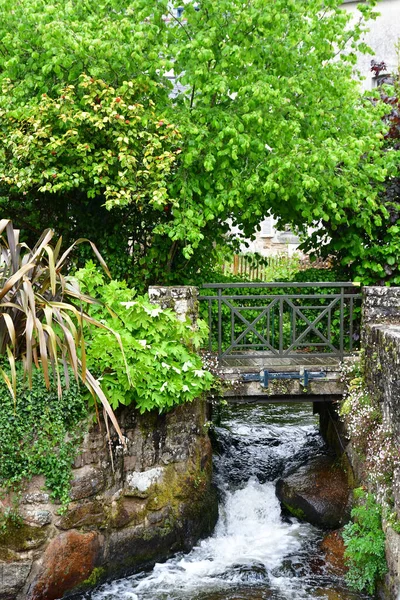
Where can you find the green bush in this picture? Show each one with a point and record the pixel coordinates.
(39, 434)
(161, 370)
(365, 544)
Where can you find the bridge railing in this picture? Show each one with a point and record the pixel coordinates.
(282, 319)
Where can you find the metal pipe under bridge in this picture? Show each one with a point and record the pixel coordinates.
(282, 341)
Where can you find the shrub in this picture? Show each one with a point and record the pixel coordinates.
(365, 544)
(162, 370)
(39, 324)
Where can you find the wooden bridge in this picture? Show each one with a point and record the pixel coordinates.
(282, 341)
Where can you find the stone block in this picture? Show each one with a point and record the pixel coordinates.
(12, 578)
(86, 515)
(88, 481)
(68, 561)
(35, 498)
(139, 483)
(37, 516)
(22, 537)
(393, 561)
(182, 300)
(381, 305)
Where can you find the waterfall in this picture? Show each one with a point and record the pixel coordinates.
(254, 552)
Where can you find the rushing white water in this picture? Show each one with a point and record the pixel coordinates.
(253, 552)
(250, 534)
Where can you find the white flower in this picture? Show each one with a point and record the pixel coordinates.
(164, 385)
(165, 366)
(199, 372)
(129, 304)
(153, 312)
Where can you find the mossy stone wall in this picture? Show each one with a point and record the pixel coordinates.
(157, 500)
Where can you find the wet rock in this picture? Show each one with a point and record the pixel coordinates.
(252, 573)
(335, 594)
(317, 493)
(240, 593)
(69, 559)
(333, 547)
(12, 578)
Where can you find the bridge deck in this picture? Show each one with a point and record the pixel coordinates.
(267, 360)
(327, 388)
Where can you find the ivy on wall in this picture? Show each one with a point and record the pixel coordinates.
(39, 435)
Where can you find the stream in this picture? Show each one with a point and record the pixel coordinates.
(254, 552)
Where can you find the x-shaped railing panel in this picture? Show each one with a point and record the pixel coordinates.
(321, 334)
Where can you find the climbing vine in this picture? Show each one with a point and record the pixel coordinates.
(39, 435)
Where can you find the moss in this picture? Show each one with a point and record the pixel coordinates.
(20, 537)
(296, 512)
(95, 577)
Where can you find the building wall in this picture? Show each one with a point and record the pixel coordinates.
(383, 35)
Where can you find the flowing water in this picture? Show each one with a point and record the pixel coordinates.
(254, 552)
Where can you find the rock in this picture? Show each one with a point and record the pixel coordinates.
(333, 547)
(392, 578)
(138, 483)
(149, 508)
(158, 515)
(87, 482)
(318, 493)
(83, 515)
(19, 537)
(69, 559)
(36, 498)
(252, 573)
(37, 517)
(12, 578)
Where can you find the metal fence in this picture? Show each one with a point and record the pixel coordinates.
(282, 319)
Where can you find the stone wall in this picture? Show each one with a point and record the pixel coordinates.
(157, 501)
(129, 507)
(381, 345)
(381, 357)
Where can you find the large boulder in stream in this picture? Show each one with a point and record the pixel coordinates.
(317, 492)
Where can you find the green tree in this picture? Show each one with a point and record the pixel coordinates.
(372, 256)
(69, 156)
(269, 117)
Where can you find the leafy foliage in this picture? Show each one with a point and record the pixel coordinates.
(90, 146)
(39, 434)
(365, 544)
(94, 138)
(269, 117)
(372, 255)
(162, 369)
(46, 45)
(39, 324)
